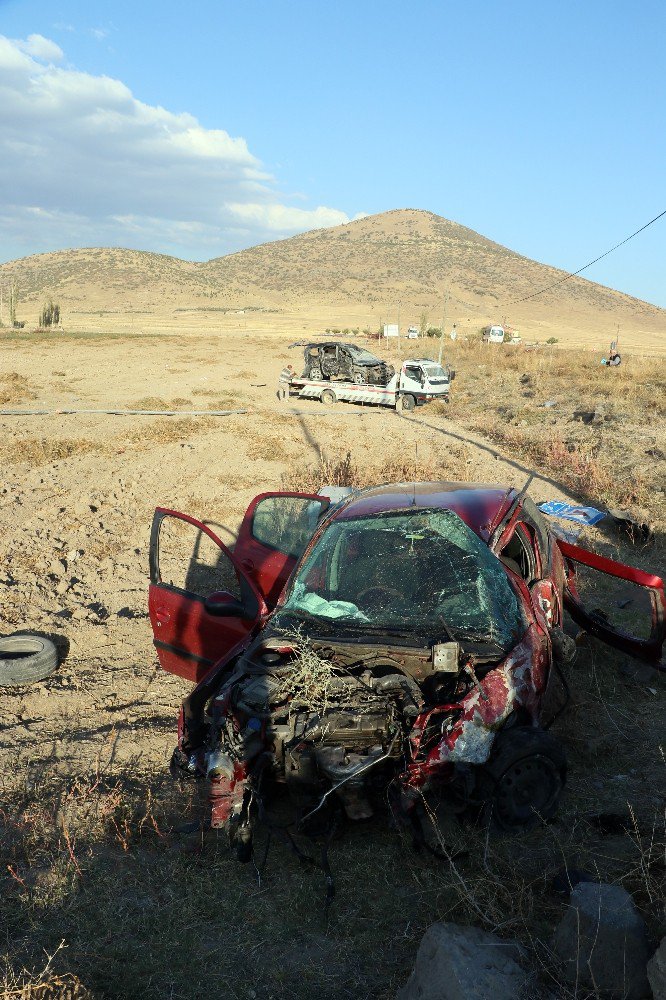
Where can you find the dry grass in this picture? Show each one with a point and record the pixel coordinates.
(15, 388)
(42, 451)
(309, 677)
(169, 431)
(501, 391)
(95, 861)
(342, 469)
(156, 403)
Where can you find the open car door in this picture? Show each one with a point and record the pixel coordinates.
(623, 606)
(275, 532)
(201, 603)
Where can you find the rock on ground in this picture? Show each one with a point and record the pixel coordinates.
(458, 963)
(601, 942)
(656, 972)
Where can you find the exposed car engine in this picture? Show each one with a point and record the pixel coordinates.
(313, 722)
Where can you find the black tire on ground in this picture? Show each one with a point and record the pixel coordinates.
(328, 397)
(26, 658)
(522, 782)
(408, 403)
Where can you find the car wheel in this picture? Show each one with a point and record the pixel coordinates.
(408, 403)
(26, 658)
(522, 782)
(327, 397)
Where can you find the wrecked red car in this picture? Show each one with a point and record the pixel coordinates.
(400, 639)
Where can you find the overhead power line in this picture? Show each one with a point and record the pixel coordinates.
(581, 269)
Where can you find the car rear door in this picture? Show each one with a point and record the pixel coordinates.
(275, 532)
(192, 573)
(619, 604)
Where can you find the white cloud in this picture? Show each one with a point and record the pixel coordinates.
(83, 162)
(41, 48)
(285, 218)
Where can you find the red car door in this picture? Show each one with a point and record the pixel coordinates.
(275, 532)
(201, 603)
(619, 604)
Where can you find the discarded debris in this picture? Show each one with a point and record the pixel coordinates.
(586, 516)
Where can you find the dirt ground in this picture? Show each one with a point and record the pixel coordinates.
(76, 502)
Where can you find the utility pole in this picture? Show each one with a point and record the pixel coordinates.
(399, 304)
(441, 339)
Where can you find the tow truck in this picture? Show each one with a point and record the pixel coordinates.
(418, 381)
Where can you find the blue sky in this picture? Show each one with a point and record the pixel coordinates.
(203, 128)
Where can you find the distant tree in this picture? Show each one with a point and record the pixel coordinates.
(13, 299)
(433, 331)
(423, 323)
(552, 340)
(50, 314)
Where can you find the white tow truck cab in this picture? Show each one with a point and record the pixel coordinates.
(418, 381)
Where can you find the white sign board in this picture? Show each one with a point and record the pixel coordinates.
(391, 330)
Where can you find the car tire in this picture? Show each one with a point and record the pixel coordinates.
(25, 659)
(408, 403)
(522, 782)
(328, 397)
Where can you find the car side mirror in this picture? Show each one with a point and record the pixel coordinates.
(224, 605)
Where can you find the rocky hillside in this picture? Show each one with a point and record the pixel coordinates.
(364, 268)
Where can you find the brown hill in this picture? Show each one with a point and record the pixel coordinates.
(353, 275)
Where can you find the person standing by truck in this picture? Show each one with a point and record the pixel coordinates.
(284, 382)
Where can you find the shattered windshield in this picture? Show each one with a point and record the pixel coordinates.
(435, 371)
(361, 356)
(418, 570)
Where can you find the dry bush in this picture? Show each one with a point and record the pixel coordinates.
(16, 388)
(501, 391)
(308, 678)
(156, 403)
(342, 470)
(42, 451)
(168, 431)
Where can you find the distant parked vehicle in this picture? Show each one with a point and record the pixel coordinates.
(493, 335)
(413, 333)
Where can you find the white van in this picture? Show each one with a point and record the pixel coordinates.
(496, 335)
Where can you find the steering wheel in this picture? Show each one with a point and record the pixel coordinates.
(379, 593)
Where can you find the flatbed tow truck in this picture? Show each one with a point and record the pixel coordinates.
(418, 381)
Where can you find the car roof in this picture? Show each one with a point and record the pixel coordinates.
(477, 504)
(340, 343)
